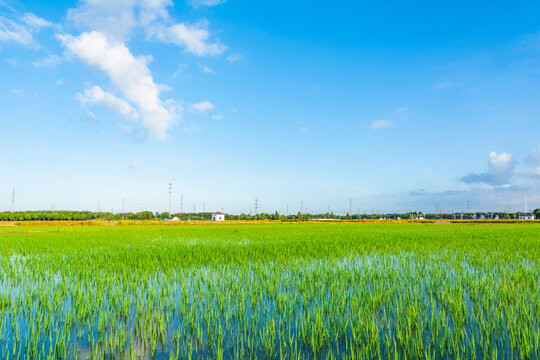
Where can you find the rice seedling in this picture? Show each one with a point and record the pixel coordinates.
(297, 291)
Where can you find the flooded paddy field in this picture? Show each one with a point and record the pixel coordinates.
(271, 291)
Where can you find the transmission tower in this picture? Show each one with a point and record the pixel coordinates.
(256, 207)
(13, 201)
(170, 194)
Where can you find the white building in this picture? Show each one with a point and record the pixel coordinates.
(217, 216)
(526, 216)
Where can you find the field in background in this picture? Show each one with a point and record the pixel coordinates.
(270, 291)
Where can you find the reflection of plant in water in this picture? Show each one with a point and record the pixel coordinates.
(272, 291)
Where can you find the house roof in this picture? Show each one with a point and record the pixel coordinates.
(218, 213)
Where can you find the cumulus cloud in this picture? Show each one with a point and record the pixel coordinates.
(381, 124)
(21, 31)
(500, 170)
(96, 95)
(129, 74)
(202, 106)
(194, 38)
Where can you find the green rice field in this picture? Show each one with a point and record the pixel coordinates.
(270, 291)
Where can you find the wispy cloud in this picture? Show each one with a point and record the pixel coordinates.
(500, 170)
(233, 57)
(22, 30)
(135, 164)
(200, 3)
(191, 129)
(381, 124)
(50, 60)
(202, 106)
(217, 116)
(442, 85)
(206, 69)
(194, 38)
(534, 157)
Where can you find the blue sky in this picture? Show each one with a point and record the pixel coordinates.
(398, 106)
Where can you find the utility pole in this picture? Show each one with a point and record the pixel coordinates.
(525, 202)
(181, 204)
(170, 194)
(13, 201)
(123, 207)
(287, 209)
(350, 208)
(301, 208)
(469, 206)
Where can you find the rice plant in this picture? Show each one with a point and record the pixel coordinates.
(295, 291)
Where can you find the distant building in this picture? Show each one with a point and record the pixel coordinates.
(175, 218)
(479, 216)
(526, 216)
(217, 216)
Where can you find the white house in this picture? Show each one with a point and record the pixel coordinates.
(526, 216)
(217, 216)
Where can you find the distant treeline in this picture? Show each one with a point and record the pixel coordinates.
(148, 215)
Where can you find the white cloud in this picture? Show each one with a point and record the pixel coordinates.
(500, 170)
(192, 129)
(534, 173)
(35, 22)
(96, 95)
(135, 164)
(195, 38)
(18, 92)
(206, 69)
(233, 57)
(202, 106)
(130, 74)
(21, 32)
(217, 116)
(50, 60)
(534, 158)
(199, 3)
(381, 124)
(118, 18)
